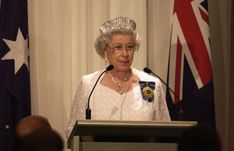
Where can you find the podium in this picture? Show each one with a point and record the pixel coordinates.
(106, 131)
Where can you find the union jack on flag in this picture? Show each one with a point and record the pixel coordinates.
(190, 65)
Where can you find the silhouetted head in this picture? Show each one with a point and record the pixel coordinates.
(42, 140)
(200, 138)
(30, 124)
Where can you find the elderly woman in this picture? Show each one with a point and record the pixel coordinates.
(123, 93)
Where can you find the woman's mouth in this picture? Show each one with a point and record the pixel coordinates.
(123, 62)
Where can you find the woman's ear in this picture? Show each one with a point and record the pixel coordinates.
(106, 59)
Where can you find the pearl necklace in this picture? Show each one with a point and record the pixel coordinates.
(118, 83)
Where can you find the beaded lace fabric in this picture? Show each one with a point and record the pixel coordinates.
(107, 104)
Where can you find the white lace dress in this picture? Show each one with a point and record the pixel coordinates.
(107, 104)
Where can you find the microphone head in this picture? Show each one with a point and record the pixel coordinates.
(110, 67)
(147, 70)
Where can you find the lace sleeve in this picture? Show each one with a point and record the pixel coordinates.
(77, 108)
(162, 113)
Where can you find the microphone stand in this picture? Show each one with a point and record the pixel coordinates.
(181, 111)
(88, 110)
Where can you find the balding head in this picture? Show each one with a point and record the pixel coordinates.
(42, 140)
(200, 138)
(31, 123)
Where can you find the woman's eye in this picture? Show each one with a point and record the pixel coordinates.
(118, 47)
(130, 47)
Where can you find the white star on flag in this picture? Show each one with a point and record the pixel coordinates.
(18, 51)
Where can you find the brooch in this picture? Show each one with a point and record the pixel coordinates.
(147, 90)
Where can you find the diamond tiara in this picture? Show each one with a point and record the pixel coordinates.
(118, 23)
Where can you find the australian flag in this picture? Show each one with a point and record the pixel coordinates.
(14, 69)
(190, 65)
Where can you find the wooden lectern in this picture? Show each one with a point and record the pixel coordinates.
(100, 131)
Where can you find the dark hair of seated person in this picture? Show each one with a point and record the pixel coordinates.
(199, 138)
(42, 140)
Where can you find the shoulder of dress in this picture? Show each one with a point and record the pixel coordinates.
(145, 76)
(91, 77)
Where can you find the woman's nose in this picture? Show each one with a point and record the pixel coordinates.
(125, 51)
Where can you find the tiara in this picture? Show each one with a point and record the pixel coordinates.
(118, 23)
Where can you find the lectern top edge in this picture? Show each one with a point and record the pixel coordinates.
(136, 123)
(110, 127)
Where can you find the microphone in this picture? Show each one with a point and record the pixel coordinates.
(88, 110)
(149, 71)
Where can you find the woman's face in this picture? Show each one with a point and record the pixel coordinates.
(120, 52)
